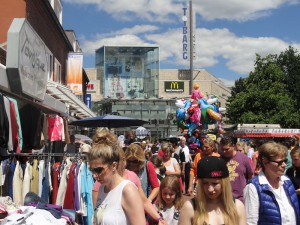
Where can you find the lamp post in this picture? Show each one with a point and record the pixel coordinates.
(191, 45)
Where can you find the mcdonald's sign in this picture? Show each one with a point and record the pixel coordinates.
(174, 86)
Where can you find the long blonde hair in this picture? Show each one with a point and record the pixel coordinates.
(227, 205)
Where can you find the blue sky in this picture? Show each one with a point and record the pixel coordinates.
(228, 33)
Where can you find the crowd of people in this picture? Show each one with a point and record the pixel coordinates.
(225, 182)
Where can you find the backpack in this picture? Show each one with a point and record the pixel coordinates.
(181, 157)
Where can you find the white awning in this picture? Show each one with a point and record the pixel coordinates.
(64, 94)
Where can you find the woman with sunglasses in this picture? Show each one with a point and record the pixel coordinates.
(118, 202)
(129, 175)
(136, 162)
(270, 197)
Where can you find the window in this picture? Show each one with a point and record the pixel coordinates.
(50, 74)
(57, 72)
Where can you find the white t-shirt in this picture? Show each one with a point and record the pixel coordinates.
(170, 215)
(172, 164)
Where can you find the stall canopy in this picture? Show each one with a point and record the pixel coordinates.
(266, 133)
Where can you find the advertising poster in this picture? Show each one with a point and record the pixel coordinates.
(74, 72)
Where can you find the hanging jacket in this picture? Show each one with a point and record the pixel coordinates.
(4, 128)
(269, 212)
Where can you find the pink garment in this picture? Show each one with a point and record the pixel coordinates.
(129, 175)
(14, 128)
(55, 126)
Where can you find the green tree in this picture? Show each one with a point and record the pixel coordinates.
(267, 94)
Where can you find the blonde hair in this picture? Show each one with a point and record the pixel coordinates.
(171, 182)
(243, 145)
(167, 146)
(136, 151)
(227, 205)
(104, 146)
(269, 150)
(211, 143)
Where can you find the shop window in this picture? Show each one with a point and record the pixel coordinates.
(57, 72)
(50, 74)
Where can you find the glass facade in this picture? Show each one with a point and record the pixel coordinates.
(128, 72)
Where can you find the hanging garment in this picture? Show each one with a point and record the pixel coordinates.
(56, 128)
(46, 184)
(76, 189)
(31, 122)
(18, 122)
(87, 183)
(63, 183)
(6, 174)
(34, 186)
(11, 177)
(41, 168)
(27, 179)
(55, 178)
(4, 128)
(14, 128)
(18, 184)
(69, 197)
(10, 142)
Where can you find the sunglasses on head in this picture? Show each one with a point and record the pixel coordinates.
(97, 170)
(279, 163)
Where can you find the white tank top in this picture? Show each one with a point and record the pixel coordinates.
(110, 211)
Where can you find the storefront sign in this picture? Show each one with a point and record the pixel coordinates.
(91, 87)
(27, 62)
(174, 86)
(185, 35)
(88, 100)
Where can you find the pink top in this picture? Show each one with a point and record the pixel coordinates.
(129, 175)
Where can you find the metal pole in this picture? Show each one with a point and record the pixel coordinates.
(191, 46)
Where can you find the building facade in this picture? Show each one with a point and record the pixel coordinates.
(43, 18)
(158, 110)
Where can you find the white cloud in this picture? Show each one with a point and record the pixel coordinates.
(165, 10)
(236, 9)
(238, 52)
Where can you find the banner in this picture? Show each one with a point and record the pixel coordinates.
(74, 72)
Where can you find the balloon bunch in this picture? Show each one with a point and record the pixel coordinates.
(197, 111)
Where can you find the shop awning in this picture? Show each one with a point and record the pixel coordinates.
(64, 94)
(264, 133)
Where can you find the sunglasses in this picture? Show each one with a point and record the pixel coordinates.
(279, 163)
(133, 161)
(97, 170)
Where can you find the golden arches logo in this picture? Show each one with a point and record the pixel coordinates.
(174, 85)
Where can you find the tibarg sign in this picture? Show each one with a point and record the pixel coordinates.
(174, 86)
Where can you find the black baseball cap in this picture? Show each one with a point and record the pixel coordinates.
(212, 167)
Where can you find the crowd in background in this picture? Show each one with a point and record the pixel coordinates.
(220, 182)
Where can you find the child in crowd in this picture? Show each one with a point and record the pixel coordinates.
(169, 200)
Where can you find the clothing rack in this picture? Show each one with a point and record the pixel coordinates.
(48, 154)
